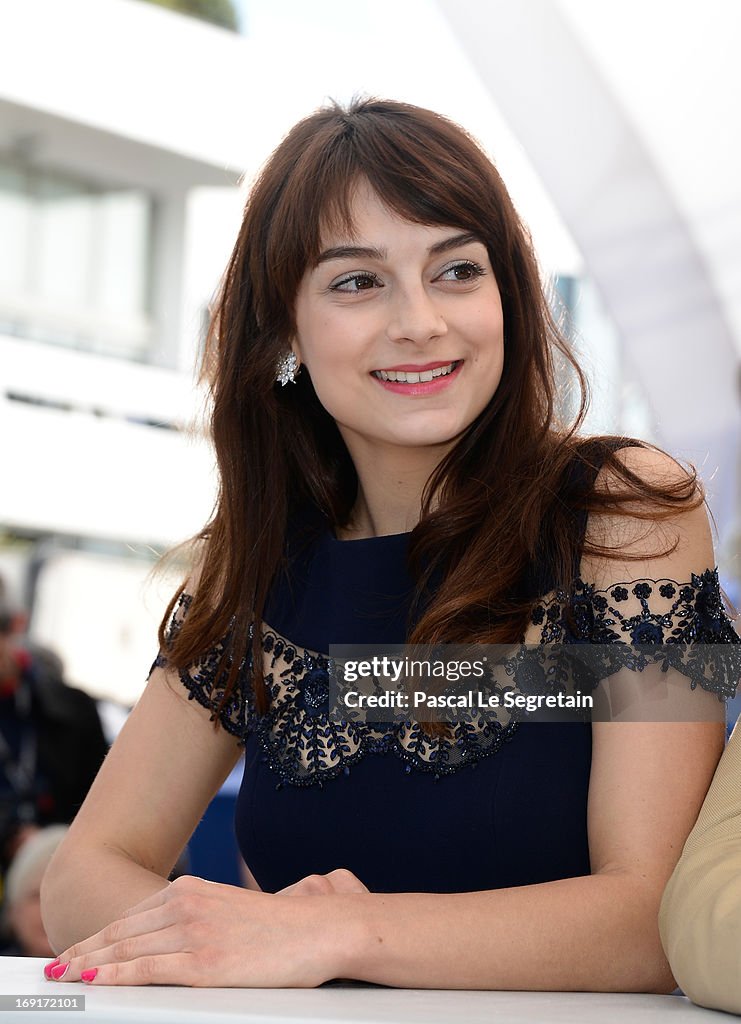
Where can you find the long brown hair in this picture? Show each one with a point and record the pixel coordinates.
(485, 505)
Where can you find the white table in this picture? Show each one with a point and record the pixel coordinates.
(347, 1004)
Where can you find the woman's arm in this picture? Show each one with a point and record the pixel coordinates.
(594, 933)
(647, 783)
(700, 918)
(155, 784)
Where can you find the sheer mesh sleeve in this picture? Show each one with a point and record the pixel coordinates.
(205, 684)
(644, 622)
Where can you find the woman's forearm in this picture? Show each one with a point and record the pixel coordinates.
(595, 933)
(81, 894)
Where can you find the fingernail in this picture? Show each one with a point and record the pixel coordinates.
(89, 974)
(59, 971)
(48, 967)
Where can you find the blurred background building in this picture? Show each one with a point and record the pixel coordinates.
(129, 132)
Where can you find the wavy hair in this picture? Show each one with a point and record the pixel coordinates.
(501, 495)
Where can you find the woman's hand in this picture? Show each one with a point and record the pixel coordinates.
(205, 934)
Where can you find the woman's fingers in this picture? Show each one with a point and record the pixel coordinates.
(204, 933)
(140, 948)
(118, 932)
(341, 880)
(140, 917)
(163, 969)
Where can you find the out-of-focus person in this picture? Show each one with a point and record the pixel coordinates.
(51, 739)
(700, 916)
(25, 934)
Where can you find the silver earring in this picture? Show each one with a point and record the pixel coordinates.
(287, 369)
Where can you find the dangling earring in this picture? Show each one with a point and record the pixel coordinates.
(287, 369)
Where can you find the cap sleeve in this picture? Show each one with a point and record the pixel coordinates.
(205, 684)
(642, 622)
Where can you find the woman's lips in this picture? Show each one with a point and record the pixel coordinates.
(421, 388)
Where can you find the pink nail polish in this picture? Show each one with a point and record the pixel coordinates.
(48, 967)
(59, 971)
(89, 975)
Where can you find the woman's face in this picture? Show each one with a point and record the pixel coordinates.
(401, 329)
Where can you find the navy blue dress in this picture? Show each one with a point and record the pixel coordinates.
(404, 815)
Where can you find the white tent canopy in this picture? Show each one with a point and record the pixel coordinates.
(629, 120)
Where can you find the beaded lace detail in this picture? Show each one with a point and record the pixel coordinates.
(684, 621)
(304, 746)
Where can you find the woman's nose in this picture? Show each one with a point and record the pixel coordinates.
(414, 316)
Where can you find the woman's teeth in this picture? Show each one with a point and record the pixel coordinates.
(410, 377)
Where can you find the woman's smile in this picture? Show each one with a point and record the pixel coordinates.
(419, 380)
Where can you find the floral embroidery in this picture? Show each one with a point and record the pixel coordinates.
(685, 620)
(203, 682)
(304, 746)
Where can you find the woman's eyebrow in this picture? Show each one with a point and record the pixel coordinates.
(351, 252)
(356, 252)
(453, 243)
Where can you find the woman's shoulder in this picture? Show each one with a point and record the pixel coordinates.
(648, 520)
(611, 461)
(647, 573)
(621, 460)
(595, 483)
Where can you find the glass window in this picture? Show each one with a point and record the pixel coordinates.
(62, 241)
(15, 214)
(74, 262)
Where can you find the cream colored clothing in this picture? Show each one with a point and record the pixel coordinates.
(700, 915)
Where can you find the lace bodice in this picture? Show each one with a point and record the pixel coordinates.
(681, 621)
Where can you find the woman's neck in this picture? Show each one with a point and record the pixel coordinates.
(390, 487)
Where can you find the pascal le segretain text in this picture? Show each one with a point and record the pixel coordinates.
(472, 699)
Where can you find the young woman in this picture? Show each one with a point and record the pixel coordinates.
(393, 466)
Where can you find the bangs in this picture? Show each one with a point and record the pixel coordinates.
(423, 168)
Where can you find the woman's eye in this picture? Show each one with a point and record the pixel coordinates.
(465, 271)
(356, 283)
